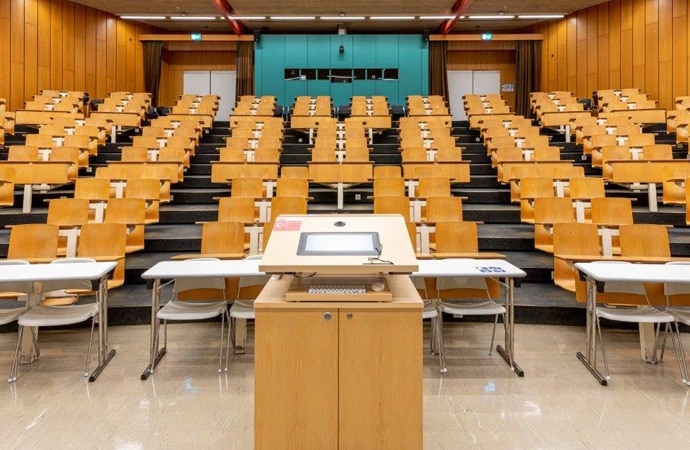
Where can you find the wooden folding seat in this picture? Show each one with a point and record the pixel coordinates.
(69, 214)
(149, 190)
(388, 186)
(612, 153)
(547, 212)
(433, 187)
(582, 191)
(247, 187)
(7, 186)
(292, 187)
(608, 214)
(148, 142)
(35, 242)
(323, 154)
(132, 213)
(574, 240)
(70, 155)
(287, 205)
(532, 188)
(387, 171)
(237, 209)
(134, 154)
(657, 152)
(232, 155)
(640, 140)
(294, 172)
(105, 242)
(547, 154)
(443, 209)
(356, 154)
(267, 155)
(393, 205)
(39, 140)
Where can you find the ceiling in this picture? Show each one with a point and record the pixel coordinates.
(320, 8)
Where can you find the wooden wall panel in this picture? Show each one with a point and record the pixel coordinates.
(57, 44)
(620, 44)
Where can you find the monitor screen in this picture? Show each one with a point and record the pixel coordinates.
(334, 244)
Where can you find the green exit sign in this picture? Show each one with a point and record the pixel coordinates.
(487, 36)
(195, 37)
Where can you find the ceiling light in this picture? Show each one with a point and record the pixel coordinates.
(541, 16)
(293, 17)
(392, 17)
(436, 17)
(143, 17)
(247, 17)
(496, 17)
(344, 18)
(193, 17)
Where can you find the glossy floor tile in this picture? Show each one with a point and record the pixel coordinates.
(478, 403)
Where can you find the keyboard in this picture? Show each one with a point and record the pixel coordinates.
(344, 289)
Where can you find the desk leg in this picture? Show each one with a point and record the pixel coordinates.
(155, 353)
(240, 337)
(591, 340)
(647, 340)
(28, 350)
(508, 353)
(341, 193)
(651, 194)
(104, 354)
(567, 133)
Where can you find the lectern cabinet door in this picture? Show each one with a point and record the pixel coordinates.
(296, 379)
(380, 379)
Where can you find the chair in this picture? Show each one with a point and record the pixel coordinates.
(547, 212)
(646, 314)
(294, 172)
(609, 213)
(197, 309)
(292, 187)
(388, 186)
(149, 190)
(582, 191)
(236, 209)
(443, 209)
(247, 187)
(530, 189)
(33, 242)
(69, 214)
(461, 237)
(387, 171)
(393, 205)
(43, 315)
(243, 306)
(132, 213)
(105, 242)
(572, 239)
(287, 205)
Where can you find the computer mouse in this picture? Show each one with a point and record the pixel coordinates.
(339, 223)
(378, 286)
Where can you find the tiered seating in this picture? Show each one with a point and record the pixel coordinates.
(308, 112)
(373, 112)
(123, 110)
(432, 105)
(480, 107)
(248, 105)
(557, 110)
(629, 103)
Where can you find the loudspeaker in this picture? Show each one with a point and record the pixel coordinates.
(341, 49)
(425, 35)
(257, 35)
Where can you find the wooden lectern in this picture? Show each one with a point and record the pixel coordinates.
(344, 373)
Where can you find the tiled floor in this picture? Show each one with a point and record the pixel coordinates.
(478, 403)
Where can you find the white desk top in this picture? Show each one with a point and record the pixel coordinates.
(643, 273)
(454, 267)
(55, 272)
(198, 269)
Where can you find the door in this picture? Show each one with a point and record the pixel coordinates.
(463, 82)
(380, 379)
(296, 379)
(216, 82)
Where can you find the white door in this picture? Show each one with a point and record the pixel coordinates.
(463, 82)
(459, 84)
(217, 82)
(223, 85)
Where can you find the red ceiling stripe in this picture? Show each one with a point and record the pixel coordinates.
(226, 10)
(458, 9)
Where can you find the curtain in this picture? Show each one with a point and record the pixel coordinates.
(438, 73)
(153, 57)
(528, 74)
(245, 69)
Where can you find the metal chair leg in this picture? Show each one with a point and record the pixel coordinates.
(433, 341)
(441, 343)
(663, 343)
(656, 343)
(603, 350)
(493, 333)
(680, 352)
(15, 362)
(227, 346)
(88, 355)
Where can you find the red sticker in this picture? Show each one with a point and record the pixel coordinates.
(287, 225)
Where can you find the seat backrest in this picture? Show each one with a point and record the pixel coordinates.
(456, 237)
(398, 204)
(294, 172)
(146, 188)
(612, 211)
(552, 210)
(534, 187)
(644, 240)
(135, 154)
(126, 211)
(657, 152)
(442, 209)
(247, 187)
(68, 211)
(236, 209)
(586, 188)
(389, 186)
(92, 188)
(433, 187)
(387, 171)
(292, 187)
(222, 237)
(287, 205)
(323, 154)
(36, 240)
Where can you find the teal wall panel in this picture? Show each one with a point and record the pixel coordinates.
(275, 53)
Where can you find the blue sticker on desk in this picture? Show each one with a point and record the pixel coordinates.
(486, 269)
